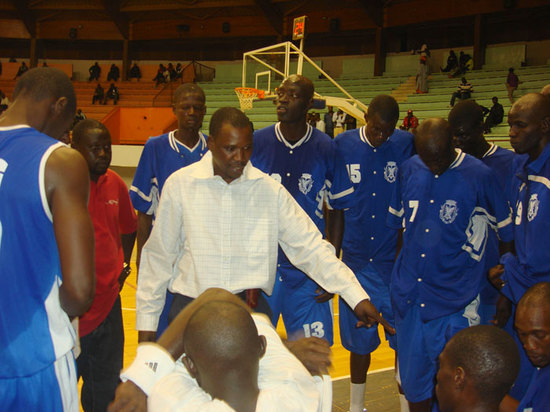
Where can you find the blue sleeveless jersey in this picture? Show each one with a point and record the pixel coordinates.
(34, 329)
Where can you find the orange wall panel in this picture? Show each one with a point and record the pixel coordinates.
(13, 29)
(134, 125)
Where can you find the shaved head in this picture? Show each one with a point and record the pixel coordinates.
(546, 90)
(434, 145)
(529, 120)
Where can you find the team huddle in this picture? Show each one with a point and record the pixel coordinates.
(438, 232)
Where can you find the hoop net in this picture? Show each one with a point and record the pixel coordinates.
(247, 95)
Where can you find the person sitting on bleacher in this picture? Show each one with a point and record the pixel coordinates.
(22, 69)
(135, 72)
(99, 94)
(94, 71)
(112, 93)
(4, 101)
(114, 73)
(464, 91)
(159, 78)
(495, 115)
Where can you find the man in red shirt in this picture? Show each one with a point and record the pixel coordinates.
(512, 83)
(410, 121)
(115, 223)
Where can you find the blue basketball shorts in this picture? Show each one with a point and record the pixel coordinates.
(365, 340)
(52, 389)
(420, 344)
(302, 315)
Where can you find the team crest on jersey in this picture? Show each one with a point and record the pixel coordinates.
(448, 211)
(305, 183)
(390, 172)
(533, 207)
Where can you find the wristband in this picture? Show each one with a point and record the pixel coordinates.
(151, 364)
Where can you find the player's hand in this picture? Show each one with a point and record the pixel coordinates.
(369, 316)
(494, 276)
(146, 336)
(128, 398)
(322, 295)
(314, 353)
(503, 313)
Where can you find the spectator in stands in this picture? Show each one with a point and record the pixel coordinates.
(495, 115)
(410, 121)
(179, 71)
(112, 93)
(422, 76)
(114, 73)
(465, 63)
(319, 123)
(452, 62)
(79, 116)
(4, 101)
(351, 123)
(338, 119)
(464, 91)
(159, 78)
(135, 72)
(95, 72)
(476, 369)
(171, 72)
(512, 83)
(22, 69)
(99, 94)
(329, 124)
(44, 64)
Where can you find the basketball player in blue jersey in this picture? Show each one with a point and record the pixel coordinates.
(466, 121)
(301, 158)
(446, 201)
(46, 245)
(162, 155)
(372, 155)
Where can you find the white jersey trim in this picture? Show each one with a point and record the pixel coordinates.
(539, 179)
(460, 155)
(41, 178)
(175, 144)
(15, 127)
(281, 138)
(398, 213)
(492, 149)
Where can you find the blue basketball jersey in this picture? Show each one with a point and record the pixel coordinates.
(373, 172)
(446, 220)
(34, 329)
(500, 161)
(307, 169)
(162, 155)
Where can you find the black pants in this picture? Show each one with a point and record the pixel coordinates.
(100, 361)
(461, 95)
(180, 302)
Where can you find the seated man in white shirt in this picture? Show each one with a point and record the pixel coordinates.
(219, 224)
(233, 361)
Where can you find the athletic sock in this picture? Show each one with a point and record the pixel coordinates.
(357, 397)
(403, 403)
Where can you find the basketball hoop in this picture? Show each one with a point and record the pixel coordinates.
(247, 95)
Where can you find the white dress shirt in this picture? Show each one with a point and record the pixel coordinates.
(209, 233)
(284, 383)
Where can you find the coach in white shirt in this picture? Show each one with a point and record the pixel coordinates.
(219, 223)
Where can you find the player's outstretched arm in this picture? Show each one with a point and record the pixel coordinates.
(67, 186)
(369, 316)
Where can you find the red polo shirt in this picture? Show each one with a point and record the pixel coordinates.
(112, 215)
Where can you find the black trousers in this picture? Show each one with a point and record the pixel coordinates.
(100, 361)
(180, 302)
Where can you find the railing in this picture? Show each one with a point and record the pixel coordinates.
(191, 73)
